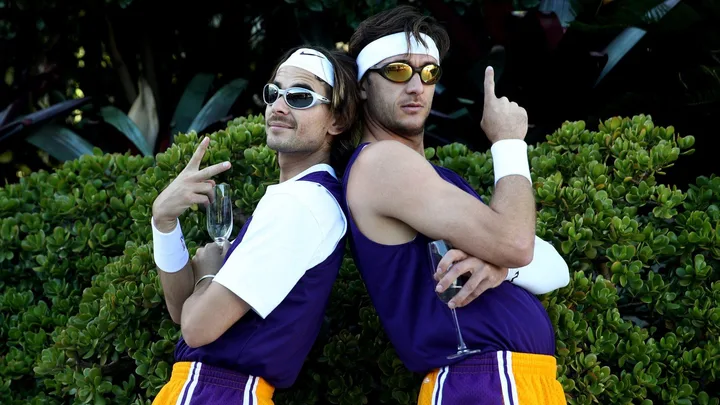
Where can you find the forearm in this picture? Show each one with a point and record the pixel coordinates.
(173, 264)
(547, 272)
(201, 325)
(513, 198)
(177, 287)
(191, 301)
(514, 202)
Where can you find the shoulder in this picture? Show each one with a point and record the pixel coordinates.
(387, 152)
(307, 198)
(385, 161)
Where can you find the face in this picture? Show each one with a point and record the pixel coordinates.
(299, 131)
(402, 108)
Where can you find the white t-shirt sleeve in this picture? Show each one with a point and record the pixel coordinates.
(291, 231)
(547, 272)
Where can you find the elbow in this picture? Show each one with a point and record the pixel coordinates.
(193, 335)
(190, 339)
(523, 252)
(194, 332)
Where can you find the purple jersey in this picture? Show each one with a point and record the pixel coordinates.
(275, 348)
(419, 325)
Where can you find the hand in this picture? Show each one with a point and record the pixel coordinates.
(501, 119)
(209, 259)
(191, 186)
(482, 276)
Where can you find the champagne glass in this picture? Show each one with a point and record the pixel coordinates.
(219, 214)
(437, 250)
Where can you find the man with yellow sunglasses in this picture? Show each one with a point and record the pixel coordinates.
(397, 203)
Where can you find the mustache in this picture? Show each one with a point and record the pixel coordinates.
(278, 119)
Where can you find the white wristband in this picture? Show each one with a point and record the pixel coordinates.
(169, 249)
(510, 157)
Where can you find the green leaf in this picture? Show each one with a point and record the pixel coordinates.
(401, 397)
(314, 5)
(218, 106)
(191, 102)
(59, 142)
(125, 125)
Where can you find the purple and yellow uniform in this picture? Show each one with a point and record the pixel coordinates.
(508, 323)
(287, 290)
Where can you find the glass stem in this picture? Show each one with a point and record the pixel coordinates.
(461, 342)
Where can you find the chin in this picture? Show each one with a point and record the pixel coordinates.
(412, 127)
(287, 147)
(274, 144)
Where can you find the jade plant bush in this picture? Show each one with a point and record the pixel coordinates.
(82, 319)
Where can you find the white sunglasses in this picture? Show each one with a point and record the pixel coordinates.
(296, 97)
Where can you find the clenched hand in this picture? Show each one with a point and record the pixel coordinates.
(209, 259)
(483, 276)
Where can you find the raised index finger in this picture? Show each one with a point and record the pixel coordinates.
(489, 84)
(196, 158)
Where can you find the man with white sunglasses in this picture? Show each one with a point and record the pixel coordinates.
(250, 316)
(397, 203)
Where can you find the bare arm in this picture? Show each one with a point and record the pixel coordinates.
(202, 322)
(191, 186)
(277, 249)
(177, 287)
(391, 180)
(177, 284)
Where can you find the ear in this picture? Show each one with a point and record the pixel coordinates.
(363, 91)
(336, 127)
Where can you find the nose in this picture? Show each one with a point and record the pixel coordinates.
(280, 106)
(415, 85)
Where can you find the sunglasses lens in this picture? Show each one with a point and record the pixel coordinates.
(270, 94)
(430, 74)
(299, 99)
(398, 72)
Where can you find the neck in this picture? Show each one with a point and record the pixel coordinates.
(373, 131)
(292, 164)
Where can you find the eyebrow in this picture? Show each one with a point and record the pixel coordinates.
(377, 65)
(297, 84)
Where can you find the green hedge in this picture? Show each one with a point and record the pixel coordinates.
(82, 319)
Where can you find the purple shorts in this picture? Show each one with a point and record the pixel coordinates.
(495, 378)
(194, 383)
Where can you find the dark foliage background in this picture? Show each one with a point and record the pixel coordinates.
(566, 59)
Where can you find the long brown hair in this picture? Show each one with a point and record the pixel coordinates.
(344, 102)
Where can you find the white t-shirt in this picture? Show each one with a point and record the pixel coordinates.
(295, 226)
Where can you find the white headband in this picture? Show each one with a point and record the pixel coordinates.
(314, 62)
(393, 45)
